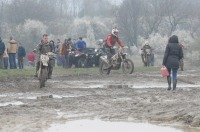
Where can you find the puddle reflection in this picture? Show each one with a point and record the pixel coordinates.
(102, 126)
(11, 103)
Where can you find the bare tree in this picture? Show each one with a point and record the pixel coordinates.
(129, 20)
(176, 12)
(153, 16)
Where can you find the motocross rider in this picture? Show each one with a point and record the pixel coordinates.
(110, 43)
(146, 46)
(43, 48)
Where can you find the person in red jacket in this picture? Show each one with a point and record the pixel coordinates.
(110, 43)
(31, 58)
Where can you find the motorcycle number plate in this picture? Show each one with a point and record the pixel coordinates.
(44, 59)
(45, 63)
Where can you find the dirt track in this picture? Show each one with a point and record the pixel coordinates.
(138, 97)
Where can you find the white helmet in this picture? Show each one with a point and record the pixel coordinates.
(100, 40)
(146, 42)
(115, 32)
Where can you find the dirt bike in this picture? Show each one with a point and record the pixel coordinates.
(118, 61)
(44, 68)
(147, 56)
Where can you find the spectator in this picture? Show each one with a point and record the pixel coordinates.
(173, 54)
(52, 44)
(152, 57)
(12, 50)
(64, 52)
(74, 45)
(80, 44)
(2, 49)
(5, 60)
(21, 54)
(31, 58)
(181, 61)
(57, 49)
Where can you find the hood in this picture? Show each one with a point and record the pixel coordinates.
(12, 42)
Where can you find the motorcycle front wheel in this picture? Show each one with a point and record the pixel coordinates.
(128, 66)
(43, 77)
(104, 68)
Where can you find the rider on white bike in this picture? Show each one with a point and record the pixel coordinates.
(110, 43)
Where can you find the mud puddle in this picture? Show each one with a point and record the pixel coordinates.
(148, 86)
(103, 126)
(11, 103)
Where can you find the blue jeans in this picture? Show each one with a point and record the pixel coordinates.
(59, 63)
(12, 61)
(174, 72)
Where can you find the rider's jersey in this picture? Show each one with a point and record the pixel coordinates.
(44, 48)
(146, 47)
(111, 41)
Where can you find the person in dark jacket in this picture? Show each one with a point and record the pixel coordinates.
(173, 54)
(2, 49)
(21, 54)
(57, 51)
(52, 44)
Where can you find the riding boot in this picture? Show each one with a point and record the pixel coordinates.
(174, 84)
(169, 83)
(109, 62)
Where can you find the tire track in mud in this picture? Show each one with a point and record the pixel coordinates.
(107, 103)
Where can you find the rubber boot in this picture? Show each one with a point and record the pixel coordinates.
(174, 84)
(169, 83)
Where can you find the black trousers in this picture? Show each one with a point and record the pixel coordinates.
(109, 51)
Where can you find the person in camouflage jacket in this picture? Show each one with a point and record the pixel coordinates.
(43, 48)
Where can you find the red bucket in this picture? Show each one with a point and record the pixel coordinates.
(164, 72)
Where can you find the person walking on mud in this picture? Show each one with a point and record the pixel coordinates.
(173, 54)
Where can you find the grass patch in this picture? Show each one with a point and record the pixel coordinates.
(14, 73)
(11, 73)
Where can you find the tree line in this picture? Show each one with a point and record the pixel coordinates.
(136, 19)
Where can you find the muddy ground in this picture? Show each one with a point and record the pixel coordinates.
(139, 97)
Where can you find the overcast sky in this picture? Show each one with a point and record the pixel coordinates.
(116, 2)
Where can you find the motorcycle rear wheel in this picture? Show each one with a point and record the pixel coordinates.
(104, 68)
(128, 66)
